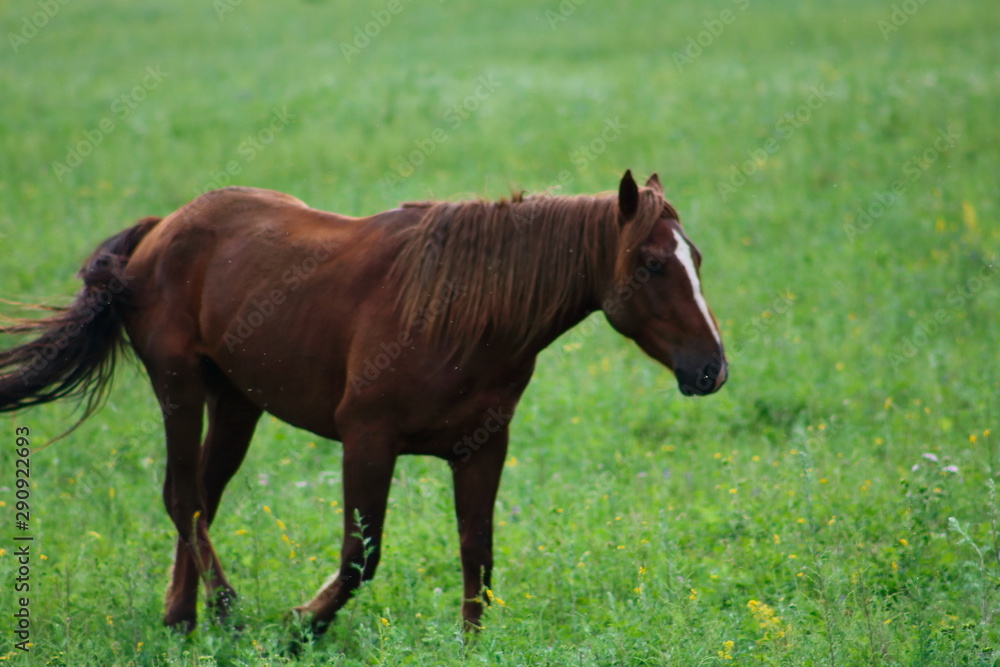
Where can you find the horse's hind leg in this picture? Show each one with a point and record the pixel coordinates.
(232, 419)
(231, 423)
(181, 392)
(178, 378)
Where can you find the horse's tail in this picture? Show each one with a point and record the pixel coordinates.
(74, 355)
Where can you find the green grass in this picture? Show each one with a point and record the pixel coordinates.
(635, 526)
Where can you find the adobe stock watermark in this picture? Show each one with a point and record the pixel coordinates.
(818, 439)
(390, 351)
(625, 289)
(786, 126)
(928, 327)
(901, 13)
(120, 109)
(494, 422)
(35, 23)
(866, 216)
(454, 116)
(248, 149)
(714, 27)
(264, 306)
(562, 13)
(137, 438)
(781, 305)
(223, 7)
(610, 133)
(365, 33)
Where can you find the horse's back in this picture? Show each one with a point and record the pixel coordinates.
(248, 224)
(242, 210)
(232, 275)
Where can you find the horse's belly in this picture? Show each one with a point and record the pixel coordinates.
(288, 387)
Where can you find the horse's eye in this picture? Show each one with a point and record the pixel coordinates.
(655, 269)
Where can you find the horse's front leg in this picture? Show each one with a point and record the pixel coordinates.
(368, 466)
(476, 482)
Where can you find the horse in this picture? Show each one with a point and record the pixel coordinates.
(405, 332)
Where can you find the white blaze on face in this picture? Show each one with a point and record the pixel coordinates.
(683, 254)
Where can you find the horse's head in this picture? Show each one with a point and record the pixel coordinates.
(655, 297)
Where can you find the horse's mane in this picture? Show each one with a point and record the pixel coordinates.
(513, 268)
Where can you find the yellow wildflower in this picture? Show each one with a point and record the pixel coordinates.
(767, 620)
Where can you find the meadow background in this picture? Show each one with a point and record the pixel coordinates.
(836, 164)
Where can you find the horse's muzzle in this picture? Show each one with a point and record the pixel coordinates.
(703, 380)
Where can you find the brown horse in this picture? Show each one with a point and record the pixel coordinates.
(413, 331)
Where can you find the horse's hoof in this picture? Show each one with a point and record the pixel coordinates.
(180, 622)
(303, 629)
(224, 603)
(294, 649)
(300, 616)
(472, 627)
(303, 616)
(226, 610)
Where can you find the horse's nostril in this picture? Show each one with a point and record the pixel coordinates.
(709, 374)
(705, 382)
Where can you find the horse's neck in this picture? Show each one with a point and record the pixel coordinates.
(559, 328)
(598, 270)
(569, 315)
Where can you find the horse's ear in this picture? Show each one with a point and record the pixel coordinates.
(653, 182)
(628, 196)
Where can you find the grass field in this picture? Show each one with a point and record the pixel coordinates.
(836, 164)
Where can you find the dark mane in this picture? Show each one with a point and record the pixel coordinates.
(513, 267)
